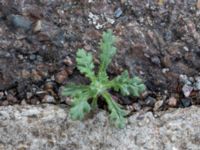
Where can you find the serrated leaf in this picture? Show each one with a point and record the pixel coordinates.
(107, 52)
(80, 108)
(116, 113)
(74, 90)
(128, 86)
(85, 63)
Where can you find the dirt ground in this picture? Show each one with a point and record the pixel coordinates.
(156, 40)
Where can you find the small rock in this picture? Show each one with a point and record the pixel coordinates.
(1, 95)
(93, 19)
(47, 31)
(59, 39)
(166, 61)
(21, 57)
(184, 79)
(136, 106)
(197, 83)
(11, 98)
(118, 12)
(187, 90)
(158, 105)
(198, 4)
(20, 22)
(172, 101)
(35, 75)
(168, 35)
(61, 76)
(38, 26)
(23, 102)
(32, 57)
(25, 73)
(33, 101)
(156, 60)
(144, 94)
(186, 48)
(68, 61)
(48, 99)
(150, 101)
(110, 20)
(191, 79)
(186, 102)
(48, 85)
(5, 103)
(29, 95)
(68, 101)
(164, 70)
(99, 26)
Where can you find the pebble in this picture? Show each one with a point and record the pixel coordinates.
(48, 99)
(47, 31)
(1, 95)
(198, 4)
(166, 60)
(68, 101)
(5, 103)
(32, 57)
(29, 95)
(157, 105)
(34, 101)
(197, 83)
(184, 79)
(144, 94)
(35, 75)
(172, 101)
(23, 102)
(168, 36)
(150, 101)
(11, 98)
(38, 26)
(156, 60)
(165, 70)
(48, 85)
(61, 76)
(187, 89)
(110, 20)
(68, 61)
(59, 39)
(186, 102)
(136, 106)
(186, 48)
(118, 12)
(20, 22)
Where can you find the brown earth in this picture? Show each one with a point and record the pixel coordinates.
(158, 41)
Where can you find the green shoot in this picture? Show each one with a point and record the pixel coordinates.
(100, 84)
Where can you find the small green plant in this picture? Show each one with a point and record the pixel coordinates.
(100, 84)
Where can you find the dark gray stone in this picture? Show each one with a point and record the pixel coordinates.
(20, 22)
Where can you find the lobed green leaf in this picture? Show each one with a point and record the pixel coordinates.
(116, 113)
(128, 86)
(107, 52)
(79, 109)
(85, 64)
(74, 90)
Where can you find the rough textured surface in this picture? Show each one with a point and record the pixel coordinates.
(158, 40)
(48, 127)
